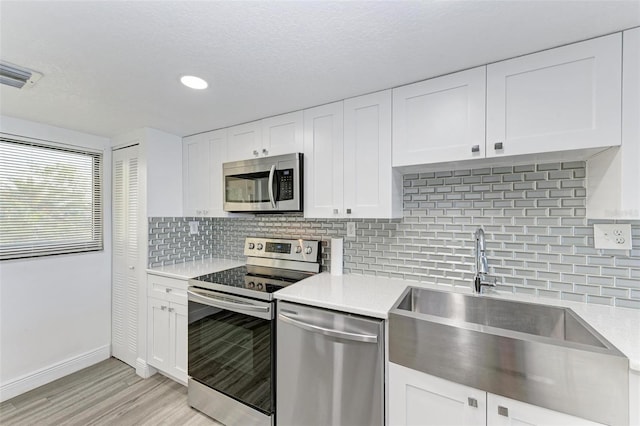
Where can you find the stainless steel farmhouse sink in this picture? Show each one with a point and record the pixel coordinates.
(543, 355)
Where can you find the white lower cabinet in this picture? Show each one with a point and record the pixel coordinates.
(417, 398)
(503, 411)
(167, 326)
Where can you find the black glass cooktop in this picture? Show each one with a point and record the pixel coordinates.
(240, 281)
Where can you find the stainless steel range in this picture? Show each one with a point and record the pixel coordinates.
(231, 340)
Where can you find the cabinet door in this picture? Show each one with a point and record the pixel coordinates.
(158, 333)
(217, 156)
(282, 134)
(125, 255)
(167, 289)
(556, 100)
(195, 175)
(503, 411)
(178, 341)
(244, 141)
(370, 190)
(416, 398)
(630, 203)
(440, 120)
(323, 161)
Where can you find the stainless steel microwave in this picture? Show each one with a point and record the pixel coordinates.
(264, 185)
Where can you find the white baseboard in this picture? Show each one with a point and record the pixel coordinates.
(46, 375)
(143, 369)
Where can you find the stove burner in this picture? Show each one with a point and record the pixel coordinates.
(231, 280)
(280, 264)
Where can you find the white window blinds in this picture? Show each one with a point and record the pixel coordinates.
(50, 199)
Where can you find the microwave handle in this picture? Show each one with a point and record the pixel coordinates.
(272, 172)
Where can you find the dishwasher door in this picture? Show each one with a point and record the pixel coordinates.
(330, 368)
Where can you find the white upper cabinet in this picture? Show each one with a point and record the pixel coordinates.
(202, 157)
(195, 175)
(244, 141)
(323, 161)
(347, 150)
(282, 134)
(556, 100)
(277, 135)
(371, 188)
(618, 167)
(562, 99)
(440, 120)
(218, 146)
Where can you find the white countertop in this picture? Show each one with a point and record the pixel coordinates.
(375, 296)
(195, 268)
(358, 294)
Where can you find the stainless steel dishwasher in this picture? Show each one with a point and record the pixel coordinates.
(330, 368)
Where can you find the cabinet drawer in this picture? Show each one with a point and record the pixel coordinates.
(169, 289)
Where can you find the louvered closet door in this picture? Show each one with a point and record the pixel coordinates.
(124, 299)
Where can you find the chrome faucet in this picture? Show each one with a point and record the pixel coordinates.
(482, 277)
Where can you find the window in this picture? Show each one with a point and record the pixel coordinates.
(50, 199)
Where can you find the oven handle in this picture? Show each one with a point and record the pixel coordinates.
(211, 300)
(365, 338)
(271, 197)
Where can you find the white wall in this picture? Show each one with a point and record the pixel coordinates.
(55, 311)
(163, 154)
(160, 167)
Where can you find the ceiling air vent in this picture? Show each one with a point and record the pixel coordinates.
(15, 76)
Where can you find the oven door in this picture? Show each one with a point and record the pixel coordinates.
(231, 342)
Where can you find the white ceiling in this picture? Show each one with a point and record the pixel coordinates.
(113, 66)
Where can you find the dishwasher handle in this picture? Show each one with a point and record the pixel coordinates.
(365, 338)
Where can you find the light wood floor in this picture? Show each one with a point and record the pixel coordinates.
(108, 393)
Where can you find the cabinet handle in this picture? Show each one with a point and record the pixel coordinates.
(335, 211)
(472, 402)
(164, 308)
(264, 151)
(171, 309)
(168, 290)
(132, 267)
(475, 148)
(198, 212)
(497, 145)
(255, 152)
(205, 211)
(503, 411)
(348, 211)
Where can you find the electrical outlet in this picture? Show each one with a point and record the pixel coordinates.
(193, 228)
(351, 229)
(612, 236)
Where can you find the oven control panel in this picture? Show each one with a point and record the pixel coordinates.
(273, 248)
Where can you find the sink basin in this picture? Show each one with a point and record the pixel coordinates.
(543, 355)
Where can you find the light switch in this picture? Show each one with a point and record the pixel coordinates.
(193, 228)
(351, 229)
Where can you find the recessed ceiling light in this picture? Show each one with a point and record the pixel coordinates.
(194, 82)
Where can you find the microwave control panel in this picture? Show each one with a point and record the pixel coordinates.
(285, 184)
